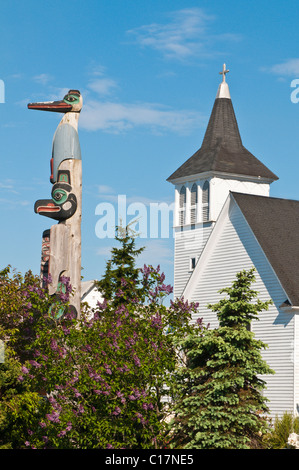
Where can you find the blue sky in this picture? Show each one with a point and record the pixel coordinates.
(148, 73)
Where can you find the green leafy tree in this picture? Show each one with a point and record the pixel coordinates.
(219, 394)
(101, 381)
(21, 303)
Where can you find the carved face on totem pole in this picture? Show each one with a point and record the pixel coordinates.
(63, 204)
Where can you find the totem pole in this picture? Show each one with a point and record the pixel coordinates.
(61, 244)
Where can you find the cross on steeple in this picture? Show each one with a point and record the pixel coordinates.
(223, 73)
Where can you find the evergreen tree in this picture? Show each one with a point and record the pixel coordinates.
(219, 394)
(121, 280)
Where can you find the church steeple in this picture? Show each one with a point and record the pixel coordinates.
(204, 181)
(222, 150)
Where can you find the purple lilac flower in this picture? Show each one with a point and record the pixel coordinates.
(69, 426)
(147, 406)
(119, 293)
(64, 280)
(116, 411)
(64, 297)
(97, 377)
(132, 397)
(102, 305)
(137, 393)
(156, 321)
(35, 364)
(54, 417)
(54, 345)
(137, 361)
(52, 401)
(81, 409)
(47, 279)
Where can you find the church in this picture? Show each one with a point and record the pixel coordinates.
(225, 221)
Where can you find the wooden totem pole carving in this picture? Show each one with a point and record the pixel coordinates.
(61, 245)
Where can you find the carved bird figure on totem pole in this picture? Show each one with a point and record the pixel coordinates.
(61, 248)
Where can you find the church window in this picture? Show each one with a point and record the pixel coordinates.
(193, 203)
(182, 205)
(205, 201)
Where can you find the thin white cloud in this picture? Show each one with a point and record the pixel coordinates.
(103, 86)
(185, 35)
(103, 189)
(13, 203)
(6, 185)
(114, 116)
(9, 186)
(289, 68)
(43, 78)
(118, 117)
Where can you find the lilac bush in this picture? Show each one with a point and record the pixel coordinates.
(99, 381)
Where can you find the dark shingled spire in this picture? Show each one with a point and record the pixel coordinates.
(222, 149)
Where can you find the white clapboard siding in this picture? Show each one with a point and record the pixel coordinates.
(188, 244)
(235, 249)
(296, 364)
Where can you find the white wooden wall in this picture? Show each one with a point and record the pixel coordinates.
(188, 244)
(237, 249)
(220, 188)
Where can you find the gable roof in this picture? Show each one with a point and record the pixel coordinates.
(275, 224)
(86, 287)
(222, 149)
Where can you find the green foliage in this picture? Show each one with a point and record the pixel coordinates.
(219, 399)
(22, 304)
(122, 267)
(278, 435)
(100, 382)
(97, 382)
